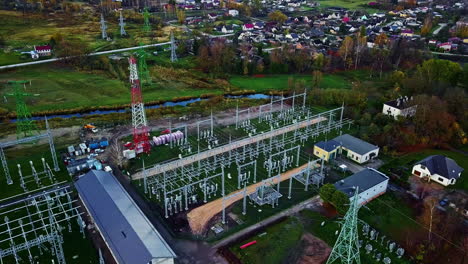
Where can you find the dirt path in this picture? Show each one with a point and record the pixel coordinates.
(199, 217)
(315, 250)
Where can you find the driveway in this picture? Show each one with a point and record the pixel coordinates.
(354, 167)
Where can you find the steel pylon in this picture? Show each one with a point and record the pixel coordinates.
(122, 25)
(139, 123)
(173, 48)
(103, 27)
(143, 67)
(346, 249)
(25, 126)
(146, 17)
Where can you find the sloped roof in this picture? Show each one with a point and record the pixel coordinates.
(328, 146)
(439, 164)
(130, 235)
(364, 179)
(354, 144)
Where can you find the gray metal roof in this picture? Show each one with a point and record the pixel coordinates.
(328, 146)
(446, 167)
(130, 235)
(355, 144)
(364, 179)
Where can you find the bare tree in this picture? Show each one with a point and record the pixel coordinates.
(116, 154)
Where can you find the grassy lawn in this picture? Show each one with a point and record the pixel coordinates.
(34, 29)
(280, 82)
(350, 4)
(407, 161)
(273, 244)
(62, 88)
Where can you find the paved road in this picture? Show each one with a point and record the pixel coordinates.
(298, 207)
(442, 25)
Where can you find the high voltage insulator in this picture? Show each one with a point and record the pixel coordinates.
(103, 27)
(173, 48)
(122, 25)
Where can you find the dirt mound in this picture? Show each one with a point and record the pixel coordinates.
(315, 251)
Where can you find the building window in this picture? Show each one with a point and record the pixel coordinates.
(316, 152)
(441, 179)
(417, 173)
(422, 167)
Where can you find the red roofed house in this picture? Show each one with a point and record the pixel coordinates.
(45, 50)
(248, 27)
(446, 46)
(346, 19)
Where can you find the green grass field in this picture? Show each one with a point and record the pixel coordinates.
(280, 82)
(62, 88)
(350, 4)
(407, 161)
(33, 29)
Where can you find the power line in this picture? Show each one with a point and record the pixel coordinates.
(443, 238)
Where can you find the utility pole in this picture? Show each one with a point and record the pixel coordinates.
(346, 249)
(25, 126)
(122, 25)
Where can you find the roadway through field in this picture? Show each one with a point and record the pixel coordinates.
(199, 217)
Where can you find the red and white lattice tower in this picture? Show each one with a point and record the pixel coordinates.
(140, 127)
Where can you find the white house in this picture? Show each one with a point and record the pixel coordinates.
(248, 27)
(356, 149)
(372, 183)
(439, 169)
(402, 106)
(233, 12)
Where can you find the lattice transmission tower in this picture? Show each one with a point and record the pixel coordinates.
(143, 67)
(139, 123)
(346, 249)
(122, 25)
(173, 48)
(25, 126)
(146, 24)
(103, 27)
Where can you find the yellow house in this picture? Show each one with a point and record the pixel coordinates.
(326, 149)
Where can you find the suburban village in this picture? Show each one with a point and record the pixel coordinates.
(240, 132)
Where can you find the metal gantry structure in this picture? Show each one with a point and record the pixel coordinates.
(346, 249)
(139, 123)
(103, 27)
(25, 126)
(47, 170)
(32, 223)
(122, 25)
(260, 156)
(146, 19)
(173, 48)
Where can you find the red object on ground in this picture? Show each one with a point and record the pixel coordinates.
(248, 244)
(167, 131)
(128, 144)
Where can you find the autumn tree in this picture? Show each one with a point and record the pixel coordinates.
(427, 26)
(180, 16)
(277, 16)
(361, 43)
(346, 49)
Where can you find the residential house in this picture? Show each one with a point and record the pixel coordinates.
(212, 16)
(438, 168)
(45, 50)
(446, 46)
(371, 184)
(233, 12)
(248, 27)
(402, 106)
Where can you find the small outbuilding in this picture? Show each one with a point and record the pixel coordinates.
(357, 149)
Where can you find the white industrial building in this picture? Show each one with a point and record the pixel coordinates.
(402, 106)
(130, 237)
(372, 183)
(356, 149)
